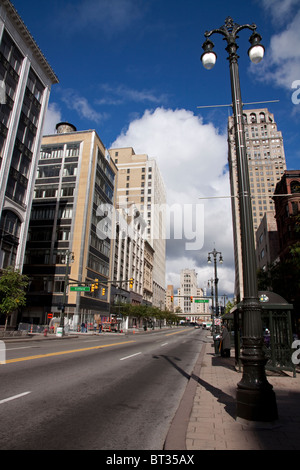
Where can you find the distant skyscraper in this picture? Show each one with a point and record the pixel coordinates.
(25, 83)
(189, 288)
(140, 184)
(266, 162)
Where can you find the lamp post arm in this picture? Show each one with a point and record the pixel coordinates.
(230, 30)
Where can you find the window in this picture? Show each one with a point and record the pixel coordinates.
(65, 212)
(55, 151)
(67, 191)
(63, 234)
(10, 223)
(295, 187)
(72, 150)
(49, 191)
(50, 171)
(70, 169)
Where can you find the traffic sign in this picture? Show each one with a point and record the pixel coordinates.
(202, 301)
(80, 289)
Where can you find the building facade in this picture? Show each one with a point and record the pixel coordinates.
(194, 307)
(267, 243)
(140, 184)
(266, 164)
(287, 203)
(127, 279)
(66, 245)
(26, 79)
(148, 273)
(170, 298)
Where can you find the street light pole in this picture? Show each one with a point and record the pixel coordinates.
(256, 399)
(215, 253)
(69, 258)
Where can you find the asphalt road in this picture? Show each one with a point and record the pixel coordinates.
(104, 392)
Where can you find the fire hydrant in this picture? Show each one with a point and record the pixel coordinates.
(45, 332)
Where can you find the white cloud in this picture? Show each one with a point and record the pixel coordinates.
(280, 10)
(281, 65)
(192, 157)
(53, 117)
(120, 94)
(81, 105)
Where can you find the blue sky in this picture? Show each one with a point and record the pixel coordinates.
(131, 70)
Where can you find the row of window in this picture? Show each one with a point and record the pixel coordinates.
(48, 213)
(253, 118)
(45, 234)
(58, 151)
(50, 192)
(51, 171)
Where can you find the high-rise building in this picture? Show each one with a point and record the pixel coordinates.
(127, 278)
(26, 79)
(140, 184)
(266, 163)
(66, 241)
(189, 296)
(267, 242)
(287, 203)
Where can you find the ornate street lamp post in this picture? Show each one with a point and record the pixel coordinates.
(255, 396)
(215, 253)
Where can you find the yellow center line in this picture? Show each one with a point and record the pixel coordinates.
(176, 332)
(40, 356)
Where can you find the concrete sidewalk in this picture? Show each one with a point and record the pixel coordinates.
(210, 424)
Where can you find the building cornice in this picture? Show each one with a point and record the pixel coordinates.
(28, 38)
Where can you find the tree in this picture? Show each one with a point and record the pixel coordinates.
(229, 306)
(12, 291)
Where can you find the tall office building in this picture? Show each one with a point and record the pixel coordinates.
(66, 243)
(140, 184)
(266, 163)
(25, 83)
(191, 309)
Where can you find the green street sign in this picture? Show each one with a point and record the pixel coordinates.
(80, 289)
(202, 301)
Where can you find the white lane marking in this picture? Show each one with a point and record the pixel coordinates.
(14, 397)
(132, 355)
(164, 344)
(90, 341)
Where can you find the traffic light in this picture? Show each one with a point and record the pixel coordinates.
(171, 298)
(92, 287)
(131, 283)
(103, 290)
(191, 299)
(96, 284)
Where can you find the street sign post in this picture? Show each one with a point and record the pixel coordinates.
(202, 301)
(80, 289)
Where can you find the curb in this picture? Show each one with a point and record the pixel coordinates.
(176, 437)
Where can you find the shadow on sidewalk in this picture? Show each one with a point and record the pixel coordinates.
(227, 362)
(222, 397)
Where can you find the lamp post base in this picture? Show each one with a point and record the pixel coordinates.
(256, 406)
